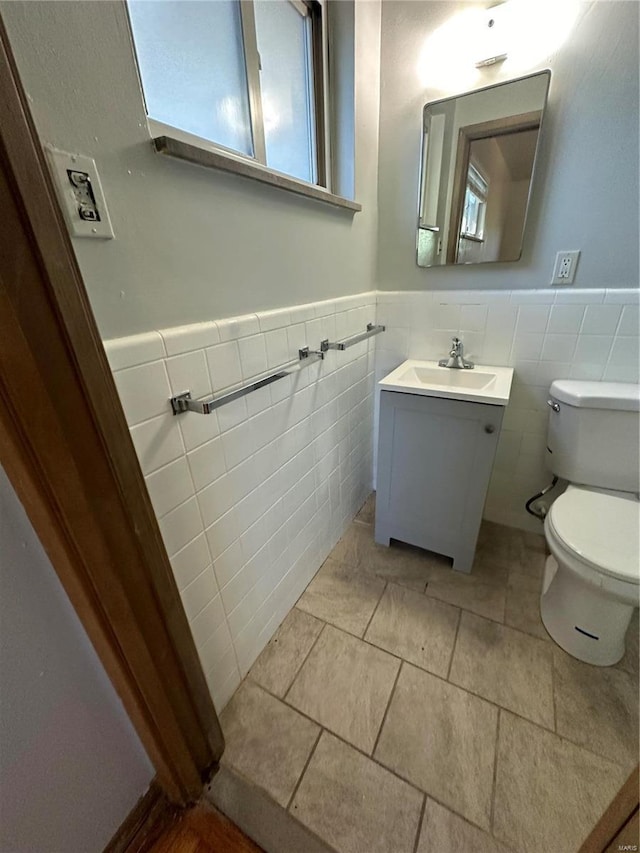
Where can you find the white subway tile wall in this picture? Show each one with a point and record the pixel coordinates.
(250, 499)
(544, 335)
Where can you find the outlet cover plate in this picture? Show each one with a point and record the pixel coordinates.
(564, 270)
(62, 163)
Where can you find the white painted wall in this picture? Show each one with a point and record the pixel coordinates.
(72, 766)
(586, 194)
(191, 243)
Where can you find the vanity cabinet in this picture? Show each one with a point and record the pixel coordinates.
(434, 463)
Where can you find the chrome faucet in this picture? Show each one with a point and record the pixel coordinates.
(456, 358)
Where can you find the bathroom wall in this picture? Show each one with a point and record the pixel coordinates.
(250, 499)
(586, 192)
(544, 334)
(586, 197)
(72, 764)
(191, 243)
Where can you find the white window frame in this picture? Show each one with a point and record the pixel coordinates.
(316, 11)
(478, 185)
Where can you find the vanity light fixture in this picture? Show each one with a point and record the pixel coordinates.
(515, 36)
(493, 36)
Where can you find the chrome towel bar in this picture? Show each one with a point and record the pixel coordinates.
(183, 402)
(349, 342)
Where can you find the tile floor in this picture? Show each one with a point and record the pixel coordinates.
(405, 707)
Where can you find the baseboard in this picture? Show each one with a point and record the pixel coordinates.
(144, 824)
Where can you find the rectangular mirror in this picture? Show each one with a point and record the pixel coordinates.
(478, 158)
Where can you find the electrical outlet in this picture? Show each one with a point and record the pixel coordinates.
(564, 270)
(80, 194)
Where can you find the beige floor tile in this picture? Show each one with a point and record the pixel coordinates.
(345, 686)
(278, 664)
(339, 594)
(489, 570)
(527, 577)
(400, 563)
(631, 660)
(597, 707)
(444, 832)
(505, 666)
(511, 547)
(443, 740)
(523, 611)
(416, 628)
(355, 805)
(469, 592)
(497, 543)
(367, 514)
(355, 542)
(549, 792)
(266, 740)
(532, 553)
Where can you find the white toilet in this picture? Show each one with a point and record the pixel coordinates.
(592, 578)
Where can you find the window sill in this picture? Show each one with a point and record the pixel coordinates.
(172, 147)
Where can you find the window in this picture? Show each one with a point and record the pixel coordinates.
(475, 205)
(247, 75)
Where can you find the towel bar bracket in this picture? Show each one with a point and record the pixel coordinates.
(356, 339)
(184, 403)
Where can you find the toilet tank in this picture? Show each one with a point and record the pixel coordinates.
(594, 433)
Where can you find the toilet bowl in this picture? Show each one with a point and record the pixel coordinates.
(592, 578)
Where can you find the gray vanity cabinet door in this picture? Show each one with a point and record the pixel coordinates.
(434, 462)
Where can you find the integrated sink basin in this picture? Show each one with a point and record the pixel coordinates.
(482, 384)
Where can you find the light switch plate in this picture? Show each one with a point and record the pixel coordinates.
(80, 194)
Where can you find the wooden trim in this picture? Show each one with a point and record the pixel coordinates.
(65, 445)
(619, 814)
(457, 195)
(628, 837)
(146, 822)
(466, 135)
(248, 169)
(502, 126)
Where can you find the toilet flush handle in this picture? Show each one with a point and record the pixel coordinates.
(553, 405)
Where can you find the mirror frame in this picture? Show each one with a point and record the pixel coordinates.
(524, 121)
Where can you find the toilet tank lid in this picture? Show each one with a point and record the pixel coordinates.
(623, 396)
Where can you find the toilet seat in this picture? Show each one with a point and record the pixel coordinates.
(600, 531)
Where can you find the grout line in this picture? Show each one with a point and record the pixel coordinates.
(304, 770)
(482, 616)
(384, 767)
(386, 710)
(495, 773)
(306, 658)
(375, 609)
(434, 675)
(295, 675)
(453, 648)
(420, 822)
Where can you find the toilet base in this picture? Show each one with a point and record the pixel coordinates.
(581, 619)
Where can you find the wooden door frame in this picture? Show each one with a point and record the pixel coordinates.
(66, 448)
(621, 815)
(466, 135)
